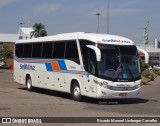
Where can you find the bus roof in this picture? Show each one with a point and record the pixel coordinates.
(94, 37)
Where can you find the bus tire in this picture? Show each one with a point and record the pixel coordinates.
(76, 92)
(29, 83)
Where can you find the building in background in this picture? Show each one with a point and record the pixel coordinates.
(153, 52)
(23, 33)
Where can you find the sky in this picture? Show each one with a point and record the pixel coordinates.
(127, 17)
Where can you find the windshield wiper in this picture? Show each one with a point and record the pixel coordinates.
(128, 70)
(118, 72)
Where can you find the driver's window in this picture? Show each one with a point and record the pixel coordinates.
(91, 60)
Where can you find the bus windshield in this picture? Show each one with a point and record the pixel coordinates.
(119, 63)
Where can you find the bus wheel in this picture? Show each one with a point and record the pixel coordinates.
(76, 92)
(29, 83)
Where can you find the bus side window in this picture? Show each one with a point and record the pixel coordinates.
(58, 50)
(19, 50)
(72, 51)
(47, 50)
(27, 50)
(37, 50)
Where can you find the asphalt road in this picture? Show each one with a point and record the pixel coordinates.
(16, 101)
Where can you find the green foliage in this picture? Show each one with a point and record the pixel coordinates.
(143, 65)
(151, 74)
(148, 74)
(39, 30)
(156, 71)
(6, 53)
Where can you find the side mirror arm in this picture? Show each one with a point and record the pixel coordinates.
(97, 51)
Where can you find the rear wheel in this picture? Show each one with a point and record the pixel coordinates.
(76, 92)
(29, 83)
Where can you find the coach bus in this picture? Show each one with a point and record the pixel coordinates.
(100, 66)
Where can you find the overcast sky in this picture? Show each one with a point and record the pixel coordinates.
(127, 17)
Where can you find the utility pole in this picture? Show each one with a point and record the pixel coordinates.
(108, 17)
(98, 14)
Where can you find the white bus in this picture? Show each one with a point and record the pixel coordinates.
(84, 64)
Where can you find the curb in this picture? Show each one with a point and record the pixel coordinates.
(146, 83)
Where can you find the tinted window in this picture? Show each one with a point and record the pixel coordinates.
(58, 51)
(84, 52)
(19, 50)
(72, 51)
(91, 66)
(37, 47)
(128, 50)
(27, 50)
(47, 50)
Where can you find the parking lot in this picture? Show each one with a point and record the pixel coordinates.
(16, 101)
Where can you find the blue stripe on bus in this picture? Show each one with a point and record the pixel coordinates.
(48, 66)
(62, 65)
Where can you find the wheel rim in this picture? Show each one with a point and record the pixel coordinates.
(29, 84)
(77, 91)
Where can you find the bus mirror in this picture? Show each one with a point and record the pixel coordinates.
(97, 51)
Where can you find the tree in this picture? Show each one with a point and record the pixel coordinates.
(39, 30)
(6, 53)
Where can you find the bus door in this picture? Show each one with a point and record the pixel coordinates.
(90, 86)
(91, 68)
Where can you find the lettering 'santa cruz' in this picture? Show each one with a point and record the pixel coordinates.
(27, 67)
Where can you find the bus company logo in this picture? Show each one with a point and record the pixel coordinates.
(114, 40)
(27, 67)
(110, 40)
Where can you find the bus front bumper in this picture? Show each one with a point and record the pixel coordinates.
(111, 94)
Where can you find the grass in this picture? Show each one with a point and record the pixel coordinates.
(149, 75)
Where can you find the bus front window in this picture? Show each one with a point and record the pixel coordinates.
(119, 63)
(108, 65)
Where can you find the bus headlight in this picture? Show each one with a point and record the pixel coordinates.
(103, 84)
(109, 87)
(137, 86)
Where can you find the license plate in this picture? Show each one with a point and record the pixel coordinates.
(122, 94)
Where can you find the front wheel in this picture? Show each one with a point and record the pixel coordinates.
(76, 92)
(29, 83)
